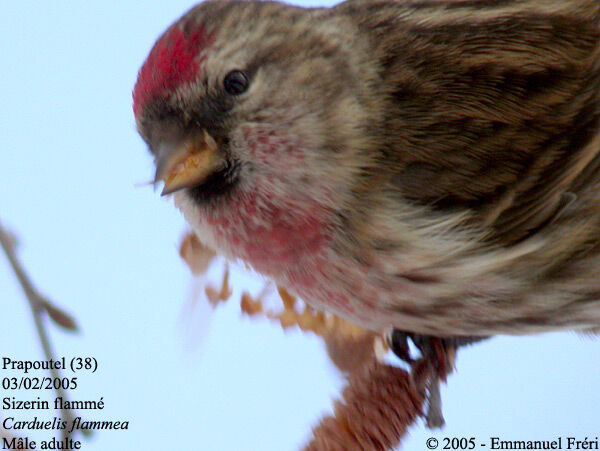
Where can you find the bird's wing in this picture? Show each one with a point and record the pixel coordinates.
(493, 105)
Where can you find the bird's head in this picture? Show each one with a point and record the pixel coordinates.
(239, 97)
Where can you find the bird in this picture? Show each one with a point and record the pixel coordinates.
(425, 166)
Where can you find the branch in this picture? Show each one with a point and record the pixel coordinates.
(38, 305)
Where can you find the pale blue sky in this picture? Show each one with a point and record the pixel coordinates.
(106, 252)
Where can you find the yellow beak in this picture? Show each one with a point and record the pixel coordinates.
(188, 163)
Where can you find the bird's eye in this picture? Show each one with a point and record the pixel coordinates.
(236, 82)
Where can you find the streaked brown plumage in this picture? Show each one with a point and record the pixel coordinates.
(425, 165)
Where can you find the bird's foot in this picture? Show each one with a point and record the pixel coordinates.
(435, 363)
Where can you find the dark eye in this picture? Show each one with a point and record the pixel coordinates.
(236, 82)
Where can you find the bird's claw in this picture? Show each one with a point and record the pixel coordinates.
(434, 365)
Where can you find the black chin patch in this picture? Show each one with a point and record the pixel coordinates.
(217, 184)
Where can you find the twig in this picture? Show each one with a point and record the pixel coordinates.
(36, 303)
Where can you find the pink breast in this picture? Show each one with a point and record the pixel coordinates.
(270, 236)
